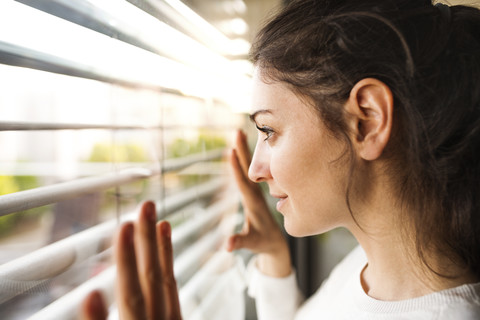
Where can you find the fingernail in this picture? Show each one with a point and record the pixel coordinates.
(166, 230)
(150, 211)
(96, 301)
(129, 233)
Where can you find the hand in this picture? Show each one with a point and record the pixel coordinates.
(145, 285)
(261, 233)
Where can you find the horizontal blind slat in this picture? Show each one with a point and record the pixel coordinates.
(144, 49)
(145, 69)
(180, 163)
(19, 56)
(29, 271)
(67, 307)
(41, 196)
(203, 222)
(41, 126)
(201, 284)
(191, 259)
(113, 21)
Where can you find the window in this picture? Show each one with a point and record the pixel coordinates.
(103, 106)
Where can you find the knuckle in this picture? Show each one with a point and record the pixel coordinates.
(133, 301)
(150, 275)
(169, 282)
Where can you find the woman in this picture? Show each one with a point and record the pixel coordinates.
(368, 115)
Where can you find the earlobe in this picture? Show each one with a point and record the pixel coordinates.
(370, 110)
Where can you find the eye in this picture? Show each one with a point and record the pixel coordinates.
(266, 130)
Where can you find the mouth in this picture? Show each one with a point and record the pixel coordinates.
(281, 201)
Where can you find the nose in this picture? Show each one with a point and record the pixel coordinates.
(259, 170)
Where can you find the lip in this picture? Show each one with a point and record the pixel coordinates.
(281, 201)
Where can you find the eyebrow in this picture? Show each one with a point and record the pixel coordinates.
(256, 113)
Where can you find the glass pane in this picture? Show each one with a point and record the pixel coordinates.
(152, 129)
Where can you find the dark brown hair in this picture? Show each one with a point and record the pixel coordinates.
(430, 58)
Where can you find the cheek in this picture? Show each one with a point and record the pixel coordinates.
(313, 175)
(283, 166)
(296, 169)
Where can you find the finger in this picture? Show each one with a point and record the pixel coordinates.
(252, 197)
(250, 190)
(93, 307)
(169, 285)
(243, 152)
(147, 260)
(242, 180)
(129, 295)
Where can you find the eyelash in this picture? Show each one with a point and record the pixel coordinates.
(267, 130)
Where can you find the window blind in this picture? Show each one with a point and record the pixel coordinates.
(106, 104)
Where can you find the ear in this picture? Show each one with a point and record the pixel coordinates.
(370, 116)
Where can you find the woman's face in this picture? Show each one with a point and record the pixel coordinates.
(299, 159)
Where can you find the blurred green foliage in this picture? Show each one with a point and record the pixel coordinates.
(126, 152)
(11, 184)
(206, 141)
(182, 147)
(103, 152)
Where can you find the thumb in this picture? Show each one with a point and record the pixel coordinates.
(240, 241)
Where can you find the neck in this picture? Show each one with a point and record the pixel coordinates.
(390, 274)
(395, 273)
(394, 270)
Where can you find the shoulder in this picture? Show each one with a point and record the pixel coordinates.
(461, 303)
(464, 312)
(346, 271)
(352, 263)
(335, 294)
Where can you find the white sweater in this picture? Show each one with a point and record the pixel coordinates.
(341, 296)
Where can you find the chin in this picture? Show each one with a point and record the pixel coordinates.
(297, 231)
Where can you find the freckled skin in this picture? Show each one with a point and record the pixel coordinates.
(298, 161)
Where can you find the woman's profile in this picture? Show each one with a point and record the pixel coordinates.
(368, 118)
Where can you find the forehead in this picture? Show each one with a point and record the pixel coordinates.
(276, 98)
(267, 94)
